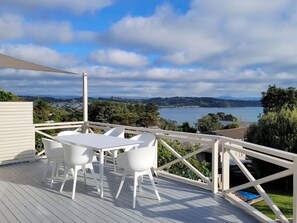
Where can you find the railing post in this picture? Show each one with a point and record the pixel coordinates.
(225, 169)
(155, 165)
(84, 127)
(215, 166)
(295, 190)
(85, 97)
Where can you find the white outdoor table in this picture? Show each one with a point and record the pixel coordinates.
(99, 143)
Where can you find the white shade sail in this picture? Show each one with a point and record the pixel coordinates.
(11, 62)
(14, 63)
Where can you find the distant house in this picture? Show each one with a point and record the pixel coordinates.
(236, 133)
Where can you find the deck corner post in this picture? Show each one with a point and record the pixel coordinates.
(215, 166)
(225, 169)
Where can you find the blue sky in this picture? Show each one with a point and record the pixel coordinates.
(151, 48)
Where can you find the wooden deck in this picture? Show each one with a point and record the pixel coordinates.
(23, 198)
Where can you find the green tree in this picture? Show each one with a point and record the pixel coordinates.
(229, 117)
(8, 96)
(43, 111)
(168, 124)
(210, 122)
(275, 99)
(185, 127)
(231, 126)
(276, 130)
(124, 114)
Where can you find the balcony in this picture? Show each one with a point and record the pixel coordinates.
(25, 199)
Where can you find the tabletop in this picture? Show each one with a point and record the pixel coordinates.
(97, 141)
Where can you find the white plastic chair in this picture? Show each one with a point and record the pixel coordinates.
(147, 138)
(115, 132)
(55, 155)
(137, 162)
(65, 133)
(78, 158)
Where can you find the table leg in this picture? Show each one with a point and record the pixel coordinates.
(101, 165)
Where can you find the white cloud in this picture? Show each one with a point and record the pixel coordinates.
(39, 54)
(10, 26)
(176, 37)
(74, 6)
(215, 33)
(15, 27)
(49, 31)
(116, 57)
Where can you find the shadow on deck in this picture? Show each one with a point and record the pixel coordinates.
(25, 199)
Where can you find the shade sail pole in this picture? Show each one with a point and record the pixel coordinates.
(85, 96)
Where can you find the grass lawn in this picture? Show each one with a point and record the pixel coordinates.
(283, 202)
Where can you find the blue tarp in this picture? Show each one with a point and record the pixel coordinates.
(249, 196)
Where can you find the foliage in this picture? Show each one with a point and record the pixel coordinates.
(165, 156)
(43, 112)
(209, 122)
(168, 124)
(275, 99)
(231, 126)
(124, 114)
(276, 130)
(229, 117)
(185, 127)
(8, 96)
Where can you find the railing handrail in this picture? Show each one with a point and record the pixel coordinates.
(58, 124)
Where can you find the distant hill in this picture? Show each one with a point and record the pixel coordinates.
(240, 98)
(202, 102)
(164, 102)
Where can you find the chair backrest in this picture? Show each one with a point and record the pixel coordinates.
(52, 148)
(76, 155)
(147, 138)
(140, 159)
(116, 132)
(65, 133)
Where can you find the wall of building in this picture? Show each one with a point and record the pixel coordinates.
(17, 141)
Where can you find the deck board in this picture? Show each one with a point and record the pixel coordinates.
(24, 198)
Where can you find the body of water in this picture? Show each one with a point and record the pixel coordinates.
(191, 114)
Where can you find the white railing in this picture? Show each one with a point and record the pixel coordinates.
(223, 149)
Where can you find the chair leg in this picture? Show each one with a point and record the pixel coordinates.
(53, 174)
(45, 170)
(64, 180)
(134, 190)
(121, 184)
(94, 176)
(140, 180)
(74, 182)
(153, 183)
(114, 156)
(58, 164)
(85, 176)
(105, 157)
